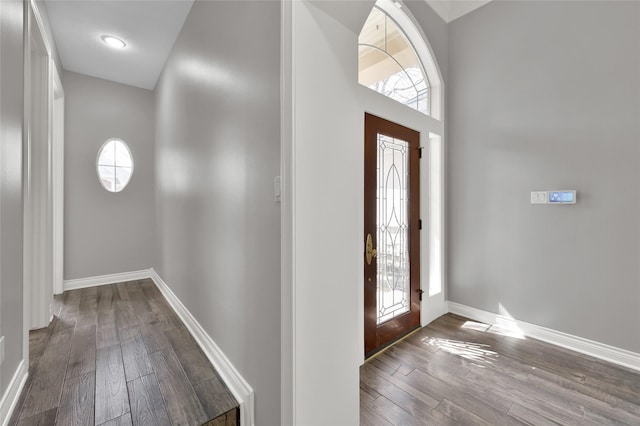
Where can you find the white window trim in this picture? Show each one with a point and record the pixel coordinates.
(403, 17)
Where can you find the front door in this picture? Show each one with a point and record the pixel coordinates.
(392, 232)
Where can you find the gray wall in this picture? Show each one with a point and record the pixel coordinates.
(217, 152)
(11, 118)
(107, 232)
(546, 95)
(435, 29)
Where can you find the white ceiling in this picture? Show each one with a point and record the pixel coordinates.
(149, 27)
(450, 10)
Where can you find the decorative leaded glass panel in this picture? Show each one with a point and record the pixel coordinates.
(389, 65)
(392, 228)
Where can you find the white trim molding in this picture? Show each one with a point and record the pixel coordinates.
(57, 178)
(12, 394)
(241, 390)
(598, 350)
(287, 234)
(106, 279)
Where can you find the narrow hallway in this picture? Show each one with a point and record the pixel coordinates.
(118, 355)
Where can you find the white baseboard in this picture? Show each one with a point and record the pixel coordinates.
(602, 351)
(106, 279)
(237, 385)
(12, 394)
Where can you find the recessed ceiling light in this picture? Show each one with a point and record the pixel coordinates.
(114, 42)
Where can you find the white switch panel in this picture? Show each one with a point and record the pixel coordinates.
(554, 197)
(276, 189)
(1, 349)
(539, 197)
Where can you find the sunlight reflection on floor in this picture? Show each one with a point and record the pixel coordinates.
(478, 326)
(509, 329)
(477, 352)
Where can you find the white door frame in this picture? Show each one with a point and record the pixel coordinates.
(0, 128)
(58, 181)
(38, 185)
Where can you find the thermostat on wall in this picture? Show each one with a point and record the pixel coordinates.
(553, 197)
(562, 197)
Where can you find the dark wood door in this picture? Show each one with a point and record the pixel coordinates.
(392, 232)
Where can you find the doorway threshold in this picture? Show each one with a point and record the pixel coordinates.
(368, 357)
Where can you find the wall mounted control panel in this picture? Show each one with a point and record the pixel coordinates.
(553, 197)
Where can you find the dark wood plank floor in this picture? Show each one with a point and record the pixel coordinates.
(459, 372)
(119, 355)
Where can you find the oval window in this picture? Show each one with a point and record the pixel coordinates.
(115, 165)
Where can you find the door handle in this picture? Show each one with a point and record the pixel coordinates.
(370, 251)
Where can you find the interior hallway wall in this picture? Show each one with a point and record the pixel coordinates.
(11, 211)
(543, 96)
(106, 232)
(326, 174)
(327, 153)
(217, 153)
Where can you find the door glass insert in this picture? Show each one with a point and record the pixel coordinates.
(392, 228)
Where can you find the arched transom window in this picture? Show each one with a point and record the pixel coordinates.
(394, 60)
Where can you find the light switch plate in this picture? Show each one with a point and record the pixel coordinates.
(2, 350)
(276, 189)
(554, 197)
(539, 197)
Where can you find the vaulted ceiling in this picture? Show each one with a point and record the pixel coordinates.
(150, 27)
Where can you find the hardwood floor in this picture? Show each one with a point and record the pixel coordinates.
(119, 355)
(459, 372)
